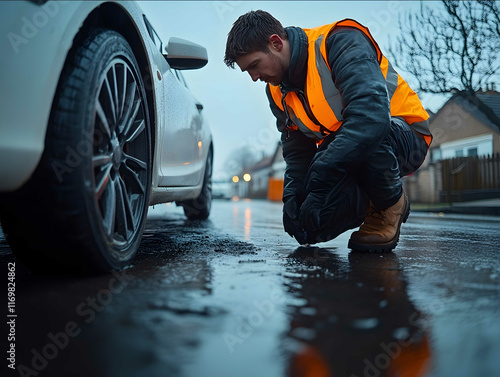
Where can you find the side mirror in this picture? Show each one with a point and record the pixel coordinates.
(182, 54)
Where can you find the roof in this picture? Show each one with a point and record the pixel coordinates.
(492, 101)
(484, 106)
(266, 162)
(278, 153)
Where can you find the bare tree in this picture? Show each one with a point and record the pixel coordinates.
(452, 48)
(241, 158)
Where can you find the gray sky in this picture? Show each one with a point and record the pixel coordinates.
(235, 106)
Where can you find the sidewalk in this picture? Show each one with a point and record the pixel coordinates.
(489, 207)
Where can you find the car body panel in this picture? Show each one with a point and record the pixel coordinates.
(182, 153)
(35, 43)
(34, 58)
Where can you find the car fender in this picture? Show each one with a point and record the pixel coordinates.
(39, 38)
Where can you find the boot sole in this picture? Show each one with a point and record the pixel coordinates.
(386, 246)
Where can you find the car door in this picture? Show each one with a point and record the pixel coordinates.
(181, 150)
(179, 125)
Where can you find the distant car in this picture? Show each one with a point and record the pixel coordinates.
(96, 124)
(221, 188)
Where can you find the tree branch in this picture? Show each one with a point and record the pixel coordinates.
(452, 47)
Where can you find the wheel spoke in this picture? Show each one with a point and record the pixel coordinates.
(127, 206)
(129, 101)
(102, 183)
(109, 210)
(111, 99)
(130, 119)
(135, 161)
(124, 92)
(133, 180)
(116, 99)
(121, 216)
(101, 160)
(104, 120)
(137, 129)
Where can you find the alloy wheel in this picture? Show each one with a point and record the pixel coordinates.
(120, 153)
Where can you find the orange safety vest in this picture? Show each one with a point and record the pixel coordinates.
(324, 98)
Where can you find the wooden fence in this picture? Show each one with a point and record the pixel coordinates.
(471, 178)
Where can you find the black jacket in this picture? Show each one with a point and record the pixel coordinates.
(366, 112)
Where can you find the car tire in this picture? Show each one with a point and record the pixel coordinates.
(86, 204)
(200, 207)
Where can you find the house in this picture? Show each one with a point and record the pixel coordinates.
(276, 175)
(263, 180)
(259, 172)
(252, 181)
(467, 125)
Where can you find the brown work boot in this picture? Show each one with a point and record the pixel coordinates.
(380, 230)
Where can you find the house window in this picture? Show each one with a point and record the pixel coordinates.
(483, 144)
(435, 154)
(472, 152)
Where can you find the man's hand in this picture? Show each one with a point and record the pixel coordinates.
(310, 210)
(291, 221)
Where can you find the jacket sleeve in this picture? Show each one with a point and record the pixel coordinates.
(366, 109)
(298, 151)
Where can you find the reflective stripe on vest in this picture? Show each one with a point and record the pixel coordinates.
(323, 97)
(292, 101)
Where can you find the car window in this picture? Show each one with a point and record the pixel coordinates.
(154, 35)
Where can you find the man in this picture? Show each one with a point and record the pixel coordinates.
(351, 127)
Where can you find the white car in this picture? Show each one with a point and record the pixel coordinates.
(96, 124)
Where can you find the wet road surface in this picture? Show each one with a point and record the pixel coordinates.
(236, 296)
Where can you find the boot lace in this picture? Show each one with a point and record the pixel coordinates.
(375, 214)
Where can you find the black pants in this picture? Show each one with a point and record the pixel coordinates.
(377, 179)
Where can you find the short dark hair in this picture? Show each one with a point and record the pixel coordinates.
(250, 33)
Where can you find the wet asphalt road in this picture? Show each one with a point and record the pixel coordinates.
(235, 296)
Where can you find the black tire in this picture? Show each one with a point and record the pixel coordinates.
(199, 208)
(86, 204)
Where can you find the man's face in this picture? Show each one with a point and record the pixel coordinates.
(264, 66)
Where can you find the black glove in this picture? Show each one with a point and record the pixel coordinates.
(291, 220)
(310, 210)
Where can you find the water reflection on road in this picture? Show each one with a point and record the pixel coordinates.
(347, 314)
(246, 224)
(358, 319)
(428, 309)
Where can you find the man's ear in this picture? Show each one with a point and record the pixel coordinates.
(276, 43)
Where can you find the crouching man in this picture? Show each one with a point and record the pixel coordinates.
(351, 126)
